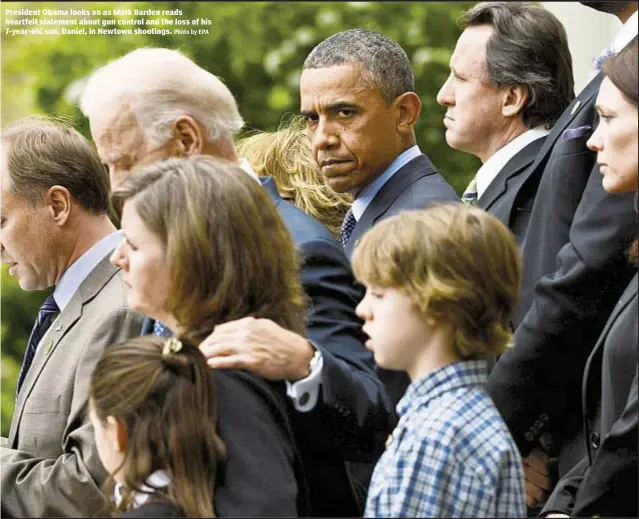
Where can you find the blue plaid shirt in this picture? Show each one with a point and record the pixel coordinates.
(451, 454)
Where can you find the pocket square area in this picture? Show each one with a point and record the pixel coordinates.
(576, 133)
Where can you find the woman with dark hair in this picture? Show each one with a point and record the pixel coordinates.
(205, 245)
(605, 482)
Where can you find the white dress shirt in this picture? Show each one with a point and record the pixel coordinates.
(491, 168)
(82, 267)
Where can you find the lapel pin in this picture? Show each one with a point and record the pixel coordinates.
(47, 347)
(575, 107)
(58, 328)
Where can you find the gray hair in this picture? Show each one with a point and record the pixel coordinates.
(385, 64)
(530, 48)
(160, 85)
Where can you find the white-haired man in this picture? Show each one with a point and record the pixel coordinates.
(152, 104)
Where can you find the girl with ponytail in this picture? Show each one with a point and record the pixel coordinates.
(154, 413)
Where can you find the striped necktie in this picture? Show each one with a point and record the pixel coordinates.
(348, 225)
(46, 315)
(470, 194)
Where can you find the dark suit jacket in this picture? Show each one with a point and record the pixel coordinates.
(605, 482)
(575, 269)
(510, 196)
(416, 185)
(353, 416)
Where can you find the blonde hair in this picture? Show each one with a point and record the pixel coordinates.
(160, 85)
(458, 264)
(229, 253)
(286, 156)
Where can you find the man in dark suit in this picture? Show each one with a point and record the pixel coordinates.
(338, 406)
(358, 97)
(510, 80)
(575, 271)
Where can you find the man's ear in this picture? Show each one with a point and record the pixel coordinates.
(58, 198)
(408, 106)
(514, 100)
(187, 136)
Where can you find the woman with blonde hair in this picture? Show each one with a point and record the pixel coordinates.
(286, 156)
(205, 245)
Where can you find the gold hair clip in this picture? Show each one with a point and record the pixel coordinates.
(173, 345)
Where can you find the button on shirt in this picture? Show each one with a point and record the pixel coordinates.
(451, 454)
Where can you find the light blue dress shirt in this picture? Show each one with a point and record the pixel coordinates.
(366, 195)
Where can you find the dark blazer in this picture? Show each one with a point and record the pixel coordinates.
(575, 269)
(416, 185)
(263, 476)
(353, 416)
(510, 196)
(605, 482)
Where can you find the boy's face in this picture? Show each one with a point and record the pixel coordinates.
(398, 332)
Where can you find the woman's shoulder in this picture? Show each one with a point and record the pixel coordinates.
(155, 509)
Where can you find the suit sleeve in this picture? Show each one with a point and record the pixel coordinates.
(534, 381)
(610, 486)
(261, 475)
(354, 410)
(70, 484)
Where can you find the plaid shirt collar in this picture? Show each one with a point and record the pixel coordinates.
(442, 380)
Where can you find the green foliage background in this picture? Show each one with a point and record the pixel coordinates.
(257, 48)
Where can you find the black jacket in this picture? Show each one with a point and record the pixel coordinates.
(575, 269)
(605, 482)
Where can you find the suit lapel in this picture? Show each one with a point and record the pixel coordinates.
(417, 168)
(271, 188)
(513, 167)
(628, 296)
(568, 115)
(89, 288)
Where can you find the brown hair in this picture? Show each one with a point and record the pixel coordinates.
(458, 264)
(286, 156)
(623, 70)
(43, 152)
(166, 401)
(229, 253)
(529, 47)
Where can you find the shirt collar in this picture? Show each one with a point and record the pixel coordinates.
(491, 168)
(82, 267)
(627, 33)
(366, 195)
(159, 479)
(442, 380)
(246, 166)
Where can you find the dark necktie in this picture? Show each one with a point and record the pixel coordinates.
(47, 314)
(348, 225)
(160, 330)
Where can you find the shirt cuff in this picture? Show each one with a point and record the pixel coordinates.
(305, 392)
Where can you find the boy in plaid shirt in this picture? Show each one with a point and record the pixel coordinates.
(441, 284)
